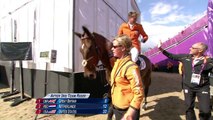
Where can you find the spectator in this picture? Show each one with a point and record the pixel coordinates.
(195, 82)
(126, 83)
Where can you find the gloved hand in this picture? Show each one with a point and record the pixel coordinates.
(143, 41)
(159, 44)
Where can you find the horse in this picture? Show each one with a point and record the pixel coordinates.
(95, 47)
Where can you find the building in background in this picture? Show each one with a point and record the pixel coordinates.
(210, 26)
(49, 25)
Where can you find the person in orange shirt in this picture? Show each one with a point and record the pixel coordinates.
(126, 84)
(133, 30)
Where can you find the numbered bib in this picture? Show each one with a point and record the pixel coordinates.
(195, 79)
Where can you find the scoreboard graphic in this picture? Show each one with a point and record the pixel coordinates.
(71, 103)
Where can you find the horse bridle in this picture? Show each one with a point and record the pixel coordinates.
(85, 61)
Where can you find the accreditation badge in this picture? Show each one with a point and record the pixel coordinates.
(195, 79)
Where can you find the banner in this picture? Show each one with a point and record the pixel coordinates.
(10, 51)
(71, 103)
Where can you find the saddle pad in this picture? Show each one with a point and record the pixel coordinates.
(142, 64)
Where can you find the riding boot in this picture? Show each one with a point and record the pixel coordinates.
(138, 62)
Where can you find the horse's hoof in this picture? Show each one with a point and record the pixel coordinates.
(144, 107)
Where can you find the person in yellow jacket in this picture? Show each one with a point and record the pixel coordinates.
(126, 83)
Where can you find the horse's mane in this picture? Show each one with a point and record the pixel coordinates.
(104, 46)
(100, 37)
(101, 41)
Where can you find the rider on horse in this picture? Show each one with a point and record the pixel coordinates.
(133, 30)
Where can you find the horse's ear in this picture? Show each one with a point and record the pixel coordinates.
(85, 29)
(77, 34)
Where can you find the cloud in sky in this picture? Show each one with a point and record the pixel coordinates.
(139, 1)
(165, 20)
(177, 18)
(161, 8)
(165, 13)
(159, 32)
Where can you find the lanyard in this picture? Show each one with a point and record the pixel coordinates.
(203, 65)
(118, 70)
(113, 84)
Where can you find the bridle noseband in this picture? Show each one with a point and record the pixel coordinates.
(85, 61)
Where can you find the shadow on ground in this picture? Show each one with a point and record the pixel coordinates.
(164, 83)
(174, 109)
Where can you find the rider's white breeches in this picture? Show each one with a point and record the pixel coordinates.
(134, 54)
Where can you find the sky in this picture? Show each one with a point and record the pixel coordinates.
(163, 19)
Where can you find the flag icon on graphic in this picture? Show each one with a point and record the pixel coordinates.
(38, 106)
(52, 101)
(39, 111)
(52, 111)
(39, 100)
(45, 106)
(52, 106)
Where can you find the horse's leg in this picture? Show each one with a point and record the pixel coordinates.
(107, 85)
(147, 82)
(110, 109)
(108, 95)
(110, 113)
(146, 90)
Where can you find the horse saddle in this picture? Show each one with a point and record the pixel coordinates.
(141, 63)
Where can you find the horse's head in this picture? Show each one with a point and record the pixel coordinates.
(89, 53)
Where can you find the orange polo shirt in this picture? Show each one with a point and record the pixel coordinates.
(133, 33)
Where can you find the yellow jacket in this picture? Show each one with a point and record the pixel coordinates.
(127, 87)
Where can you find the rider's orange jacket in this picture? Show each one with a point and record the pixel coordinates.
(133, 33)
(127, 87)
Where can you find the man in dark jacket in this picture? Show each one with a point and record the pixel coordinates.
(195, 82)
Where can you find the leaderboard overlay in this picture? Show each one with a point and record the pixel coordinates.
(71, 103)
